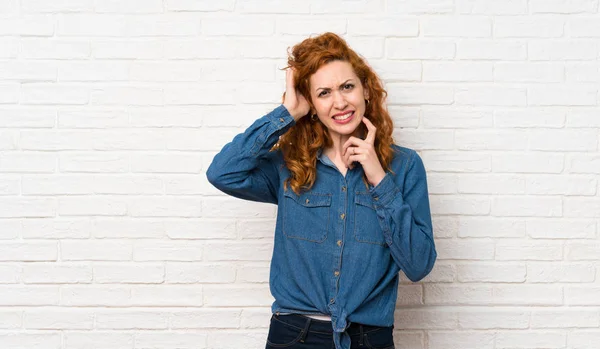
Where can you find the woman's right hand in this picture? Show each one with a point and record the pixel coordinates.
(294, 101)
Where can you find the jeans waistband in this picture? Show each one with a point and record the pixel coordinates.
(300, 321)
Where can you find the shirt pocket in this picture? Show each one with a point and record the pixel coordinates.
(366, 223)
(306, 216)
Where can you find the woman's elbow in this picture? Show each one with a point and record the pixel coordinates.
(424, 267)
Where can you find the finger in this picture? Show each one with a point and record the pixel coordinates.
(372, 130)
(354, 141)
(289, 80)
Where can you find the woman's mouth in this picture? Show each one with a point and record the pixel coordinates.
(344, 118)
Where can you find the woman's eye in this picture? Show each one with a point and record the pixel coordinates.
(323, 93)
(348, 86)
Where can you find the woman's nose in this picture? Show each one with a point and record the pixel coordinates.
(339, 101)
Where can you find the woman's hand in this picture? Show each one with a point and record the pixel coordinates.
(363, 151)
(294, 101)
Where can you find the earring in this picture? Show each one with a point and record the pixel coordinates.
(313, 117)
(367, 101)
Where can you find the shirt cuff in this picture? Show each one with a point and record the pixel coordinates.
(384, 192)
(280, 118)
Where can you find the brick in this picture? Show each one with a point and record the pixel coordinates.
(131, 320)
(271, 6)
(50, 273)
(98, 250)
(127, 273)
(439, 183)
(467, 118)
(533, 162)
(31, 340)
(560, 272)
(27, 208)
(93, 71)
(114, 96)
(442, 272)
(479, 227)
(459, 26)
(582, 251)
(202, 5)
(28, 251)
(465, 205)
(167, 295)
(460, 340)
(584, 27)
(200, 95)
(9, 94)
(35, 48)
(563, 6)
(561, 228)
(9, 274)
(256, 318)
(292, 26)
(382, 26)
(457, 71)
(33, 71)
(581, 207)
(95, 206)
(204, 49)
(94, 295)
(212, 229)
(456, 162)
(94, 119)
(561, 96)
(40, 6)
(409, 295)
(528, 27)
(10, 319)
(115, 6)
(237, 295)
(59, 319)
(465, 249)
(527, 206)
(127, 228)
(370, 47)
(543, 117)
(93, 162)
(484, 319)
(490, 7)
(9, 47)
(420, 49)
(98, 340)
(28, 25)
(584, 163)
(238, 26)
(28, 295)
(230, 339)
(170, 340)
(528, 72)
(417, 319)
(582, 295)
(491, 272)
(425, 139)
(491, 184)
(526, 250)
(457, 294)
(583, 72)
(27, 118)
(165, 207)
(253, 273)
(531, 339)
(557, 50)
(562, 185)
(481, 49)
(528, 295)
(583, 339)
(339, 6)
(206, 318)
(229, 207)
(409, 340)
(491, 140)
(157, 250)
(411, 94)
(491, 96)
(128, 49)
(202, 273)
(54, 94)
(420, 7)
(170, 24)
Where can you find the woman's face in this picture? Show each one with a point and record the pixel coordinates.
(338, 97)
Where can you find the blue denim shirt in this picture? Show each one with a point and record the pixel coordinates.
(340, 245)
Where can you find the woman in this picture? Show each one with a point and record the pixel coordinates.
(353, 207)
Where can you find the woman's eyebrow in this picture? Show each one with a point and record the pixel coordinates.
(327, 88)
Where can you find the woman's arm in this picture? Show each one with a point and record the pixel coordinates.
(244, 167)
(405, 217)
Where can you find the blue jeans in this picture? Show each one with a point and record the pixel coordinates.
(297, 331)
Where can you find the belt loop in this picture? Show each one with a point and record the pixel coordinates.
(305, 330)
(360, 341)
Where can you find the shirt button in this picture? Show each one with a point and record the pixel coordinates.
(281, 119)
(376, 198)
(342, 216)
(332, 300)
(336, 273)
(339, 242)
(344, 189)
(307, 201)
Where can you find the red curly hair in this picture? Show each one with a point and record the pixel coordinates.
(302, 141)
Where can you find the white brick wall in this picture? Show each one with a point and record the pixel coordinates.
(111, 111)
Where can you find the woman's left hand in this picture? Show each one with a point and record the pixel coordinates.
(363, 151)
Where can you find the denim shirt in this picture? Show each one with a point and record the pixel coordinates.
(340, 245)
